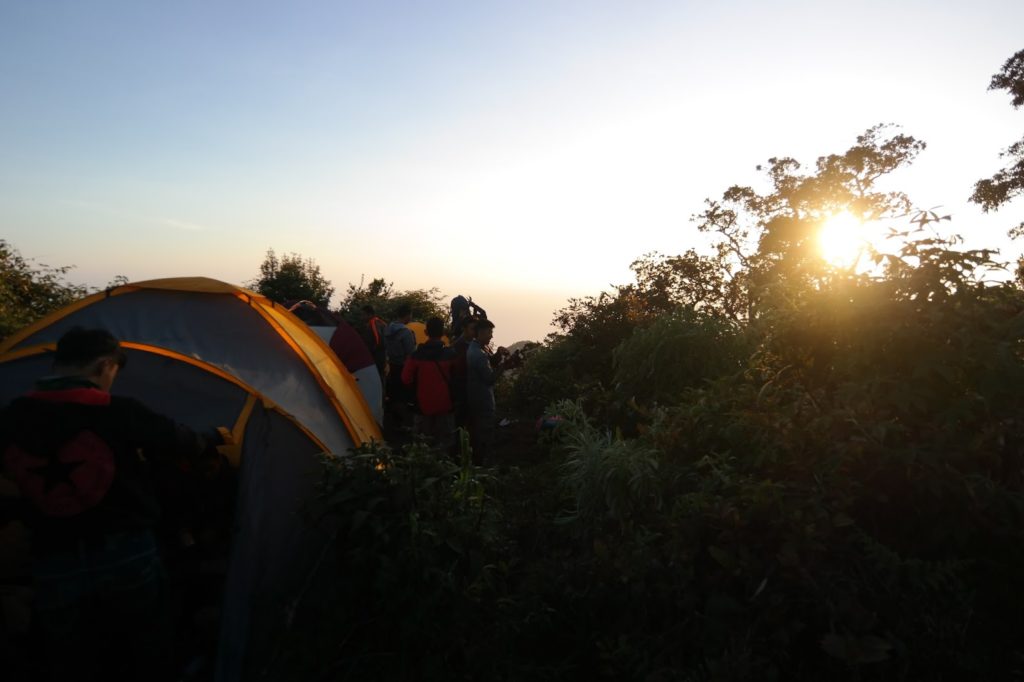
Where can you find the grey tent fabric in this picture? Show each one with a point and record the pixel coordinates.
(19, 376)
(275, 549)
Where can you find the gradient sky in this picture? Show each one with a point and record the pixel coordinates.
(520, 153)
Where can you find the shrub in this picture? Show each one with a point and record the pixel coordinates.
(679, 351)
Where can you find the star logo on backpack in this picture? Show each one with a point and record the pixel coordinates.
(67, 481)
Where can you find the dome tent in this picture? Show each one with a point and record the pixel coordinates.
(212, 354)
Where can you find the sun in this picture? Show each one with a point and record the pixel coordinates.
(841, 239)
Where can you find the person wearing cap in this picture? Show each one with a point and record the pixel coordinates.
(83, 462)
(429, 370)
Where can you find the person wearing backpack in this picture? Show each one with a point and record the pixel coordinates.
(399, 343)
(373, 335)
(86, 464)
(429, 369)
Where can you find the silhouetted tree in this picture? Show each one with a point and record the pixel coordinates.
(381, 294)
(292, 277)
(1008, 182)
(772, 237)
(29, 291)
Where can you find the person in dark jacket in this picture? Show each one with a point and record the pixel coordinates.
(82, 460)
(373, 335)
(481, 376)
(429, 368)
(400, 342)
(460, 346)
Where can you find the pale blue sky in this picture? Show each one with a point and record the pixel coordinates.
(520, 153)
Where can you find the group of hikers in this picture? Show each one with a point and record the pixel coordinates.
(434, 389)
(431, 389)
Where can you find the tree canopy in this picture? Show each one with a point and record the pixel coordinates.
(770, 238)
(800, 470)
(292, 277)
(1008, 182)
(29, 290)
(385, 300)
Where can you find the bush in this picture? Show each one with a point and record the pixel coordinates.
(680, 351)
(29, 291)
(549, 374)
(411, 575)
(829, 486)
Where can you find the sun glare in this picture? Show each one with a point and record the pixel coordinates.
(841, 239)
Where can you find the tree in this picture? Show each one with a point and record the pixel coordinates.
(771, 238)
(29, 291)
(292, 277)
(765, 241)
(376, 294)
(838, 471)
(1007, 183)
(381, 294)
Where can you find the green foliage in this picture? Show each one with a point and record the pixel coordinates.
(580, 362)
(553, 372)
(1011, 79)
(767, 468)
(1006, 183)
(764, 242)
(772, 238)
(848, 506)
(29, 291)
(411, 574)
(425, 303)
(874, 423)
(682, 350)
(609, 479)
(662, 284)
(291, 278)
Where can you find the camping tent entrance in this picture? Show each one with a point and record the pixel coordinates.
(242, 333)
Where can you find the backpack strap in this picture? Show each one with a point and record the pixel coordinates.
(447, 380)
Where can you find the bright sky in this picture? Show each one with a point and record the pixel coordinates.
(520, 153)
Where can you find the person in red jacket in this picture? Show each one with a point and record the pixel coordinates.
(429, 368)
